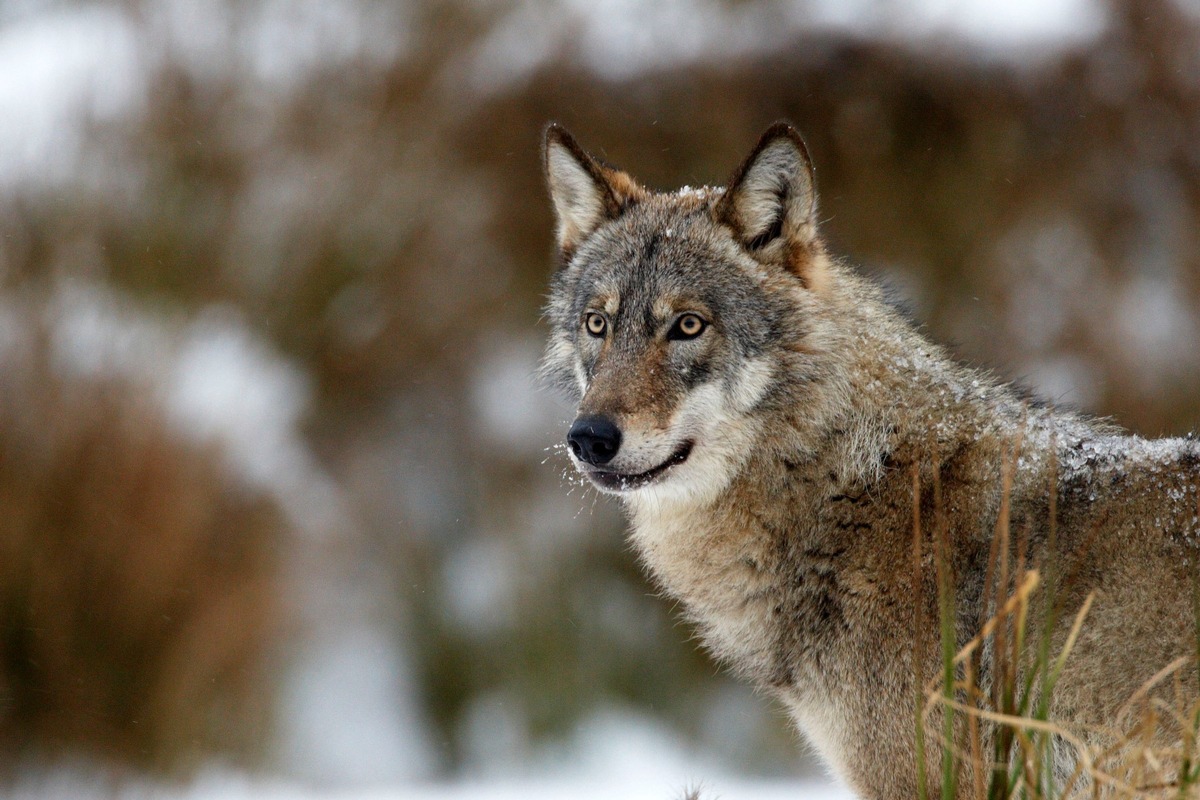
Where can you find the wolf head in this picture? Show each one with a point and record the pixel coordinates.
(680, 320)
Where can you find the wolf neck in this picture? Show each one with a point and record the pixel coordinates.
(890, 389)
(884, 389)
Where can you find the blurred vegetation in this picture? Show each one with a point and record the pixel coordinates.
(138, 583)
(379, 222)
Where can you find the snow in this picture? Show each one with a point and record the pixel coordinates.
(62, 64)
(1156, 327)
(510, 407)
(346, 718)
(54, 66)
(647, 751)
(615, 786)
(1047, 264)
(217, 380)
(1066, 381)
(623, 789)
(480, 577)
(226, 384)
(614, 755)
(278, 43)
(979, 23)
(59, 64)
(621, 38)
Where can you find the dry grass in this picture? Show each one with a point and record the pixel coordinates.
(138, 583)
(999, 741)
(1130, 764)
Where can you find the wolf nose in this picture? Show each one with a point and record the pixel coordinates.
(594, 439)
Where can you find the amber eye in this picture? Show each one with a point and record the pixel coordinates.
(595, 323)
(688, 326)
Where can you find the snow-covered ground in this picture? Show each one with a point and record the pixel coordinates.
(559, 789)
(611, 756)
(617, 789)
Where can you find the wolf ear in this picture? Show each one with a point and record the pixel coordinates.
(771, 200)
(584, 192)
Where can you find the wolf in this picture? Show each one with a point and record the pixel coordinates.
(777, 432)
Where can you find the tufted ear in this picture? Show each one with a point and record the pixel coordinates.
(771, 201)
(585, 192)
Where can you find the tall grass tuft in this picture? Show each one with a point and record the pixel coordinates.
(999, 741)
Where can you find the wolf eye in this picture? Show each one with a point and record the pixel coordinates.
(688, 326)
(595, 323)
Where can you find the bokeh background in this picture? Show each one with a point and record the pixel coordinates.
(279, 492)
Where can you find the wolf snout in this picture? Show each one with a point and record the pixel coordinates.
(594, 439)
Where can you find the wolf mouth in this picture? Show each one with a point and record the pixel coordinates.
(622, 482)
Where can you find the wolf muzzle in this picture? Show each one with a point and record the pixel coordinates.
(594, 439)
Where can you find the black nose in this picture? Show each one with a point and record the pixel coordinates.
(594, 439)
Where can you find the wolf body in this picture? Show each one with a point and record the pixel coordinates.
(774, 428)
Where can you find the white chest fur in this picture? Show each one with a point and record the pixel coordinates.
(718, 567)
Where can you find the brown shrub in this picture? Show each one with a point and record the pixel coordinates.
(138, 581)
